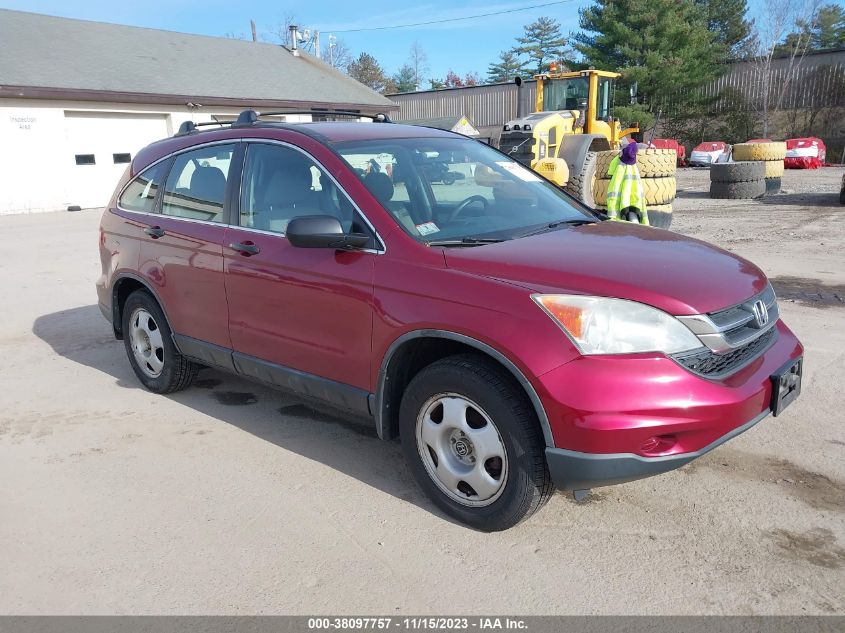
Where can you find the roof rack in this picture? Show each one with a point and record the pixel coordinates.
(250, 117)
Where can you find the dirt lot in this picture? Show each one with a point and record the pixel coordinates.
(231, 498)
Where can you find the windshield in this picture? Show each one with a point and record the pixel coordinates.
(565, 94)
(451, 189)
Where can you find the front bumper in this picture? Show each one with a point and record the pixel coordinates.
(571, 470)
(615, 419)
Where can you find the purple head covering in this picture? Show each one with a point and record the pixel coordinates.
(629, 154)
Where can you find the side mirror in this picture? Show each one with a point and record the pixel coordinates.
(322, 231)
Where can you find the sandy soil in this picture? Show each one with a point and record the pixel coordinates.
(231, 498)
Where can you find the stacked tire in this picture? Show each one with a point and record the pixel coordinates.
(738, 181)
(657, 173)
(771, 154)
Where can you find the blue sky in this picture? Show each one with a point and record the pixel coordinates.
(463, 46)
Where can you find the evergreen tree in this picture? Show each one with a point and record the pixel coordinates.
(404, 80)
(829, 31)
(542, 43)
(368, 71)
(504, 70)
(824, 30)
(662, 46)
(728, 20)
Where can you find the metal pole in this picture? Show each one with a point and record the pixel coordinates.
(317, 44)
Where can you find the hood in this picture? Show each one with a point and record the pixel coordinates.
(677, 274)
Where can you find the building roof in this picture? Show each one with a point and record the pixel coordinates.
(50, 57)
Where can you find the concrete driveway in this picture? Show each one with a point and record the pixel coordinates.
(230, 498)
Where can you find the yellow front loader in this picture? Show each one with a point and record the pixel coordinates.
(573, 119)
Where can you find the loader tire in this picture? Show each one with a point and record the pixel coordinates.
(747, 171)
(773, 168)
(656, 191)
(660, 216)
(603, 160)
(581, 177)
(772, 186)
(759, 151)
(738, 190)
(651, 163)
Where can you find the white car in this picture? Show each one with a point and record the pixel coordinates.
(704, 154)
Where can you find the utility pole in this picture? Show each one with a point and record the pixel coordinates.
(317, 44)
(332, 41)
(252, 26)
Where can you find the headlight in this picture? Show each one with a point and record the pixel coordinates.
(600, 325)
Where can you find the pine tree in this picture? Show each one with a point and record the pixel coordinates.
(504, 70)
(368, 71)
(728, 19)
(542, 43)
(662, 46)
(824, 30)
(404, 80)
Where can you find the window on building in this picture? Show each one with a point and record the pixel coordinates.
(85, 159)
(121, 158)
(196, 185)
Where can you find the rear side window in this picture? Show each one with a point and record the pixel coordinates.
(140, 194)
(196, 185)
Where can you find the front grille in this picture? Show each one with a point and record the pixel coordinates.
(712, 365)
(518, 145)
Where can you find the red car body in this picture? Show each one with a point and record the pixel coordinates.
(339, 321)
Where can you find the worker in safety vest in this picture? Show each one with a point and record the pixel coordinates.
(625, 197)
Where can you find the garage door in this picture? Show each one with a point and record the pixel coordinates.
(100, 146)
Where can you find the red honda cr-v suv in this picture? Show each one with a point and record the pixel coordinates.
(513, 340)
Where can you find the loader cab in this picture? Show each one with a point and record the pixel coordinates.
(590, 92)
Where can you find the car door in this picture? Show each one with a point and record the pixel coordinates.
(182, 250)
(298, 317)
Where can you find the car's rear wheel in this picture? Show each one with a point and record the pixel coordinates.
(473, 443)
(149, 345)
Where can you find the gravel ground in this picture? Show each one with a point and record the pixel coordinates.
(230, 498)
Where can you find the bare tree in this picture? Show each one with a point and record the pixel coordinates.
(338, 54)
(774, 75)
(418, 61)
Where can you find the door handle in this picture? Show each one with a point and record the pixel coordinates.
(246, 248)
(154, 232)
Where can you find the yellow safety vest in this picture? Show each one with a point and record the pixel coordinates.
(625, 192)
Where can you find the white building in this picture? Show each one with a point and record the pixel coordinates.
(79, 98)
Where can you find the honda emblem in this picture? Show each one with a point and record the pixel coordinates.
(761, 313)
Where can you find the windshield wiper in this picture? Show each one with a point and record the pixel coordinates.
(466, 241)
(554, 225)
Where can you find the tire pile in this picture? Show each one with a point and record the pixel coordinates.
(758, 171)
(657, 172)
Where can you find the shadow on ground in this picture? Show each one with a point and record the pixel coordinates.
(344, 443)
(804, 199)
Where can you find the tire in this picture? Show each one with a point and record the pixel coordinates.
(772, 186)
(656, 191)
(773, 168)
(759, 151)
(160, 367)
(660, 216)
(448, 179)
(581, 177)
(652, 163)
(738, 190)
(737, 172)
(488, 409)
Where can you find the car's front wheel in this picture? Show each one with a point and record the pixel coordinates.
(473, 443)
(150, 348)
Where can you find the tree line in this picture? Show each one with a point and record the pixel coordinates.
(666, 50)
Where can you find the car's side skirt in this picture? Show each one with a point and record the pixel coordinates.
(331, 392)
